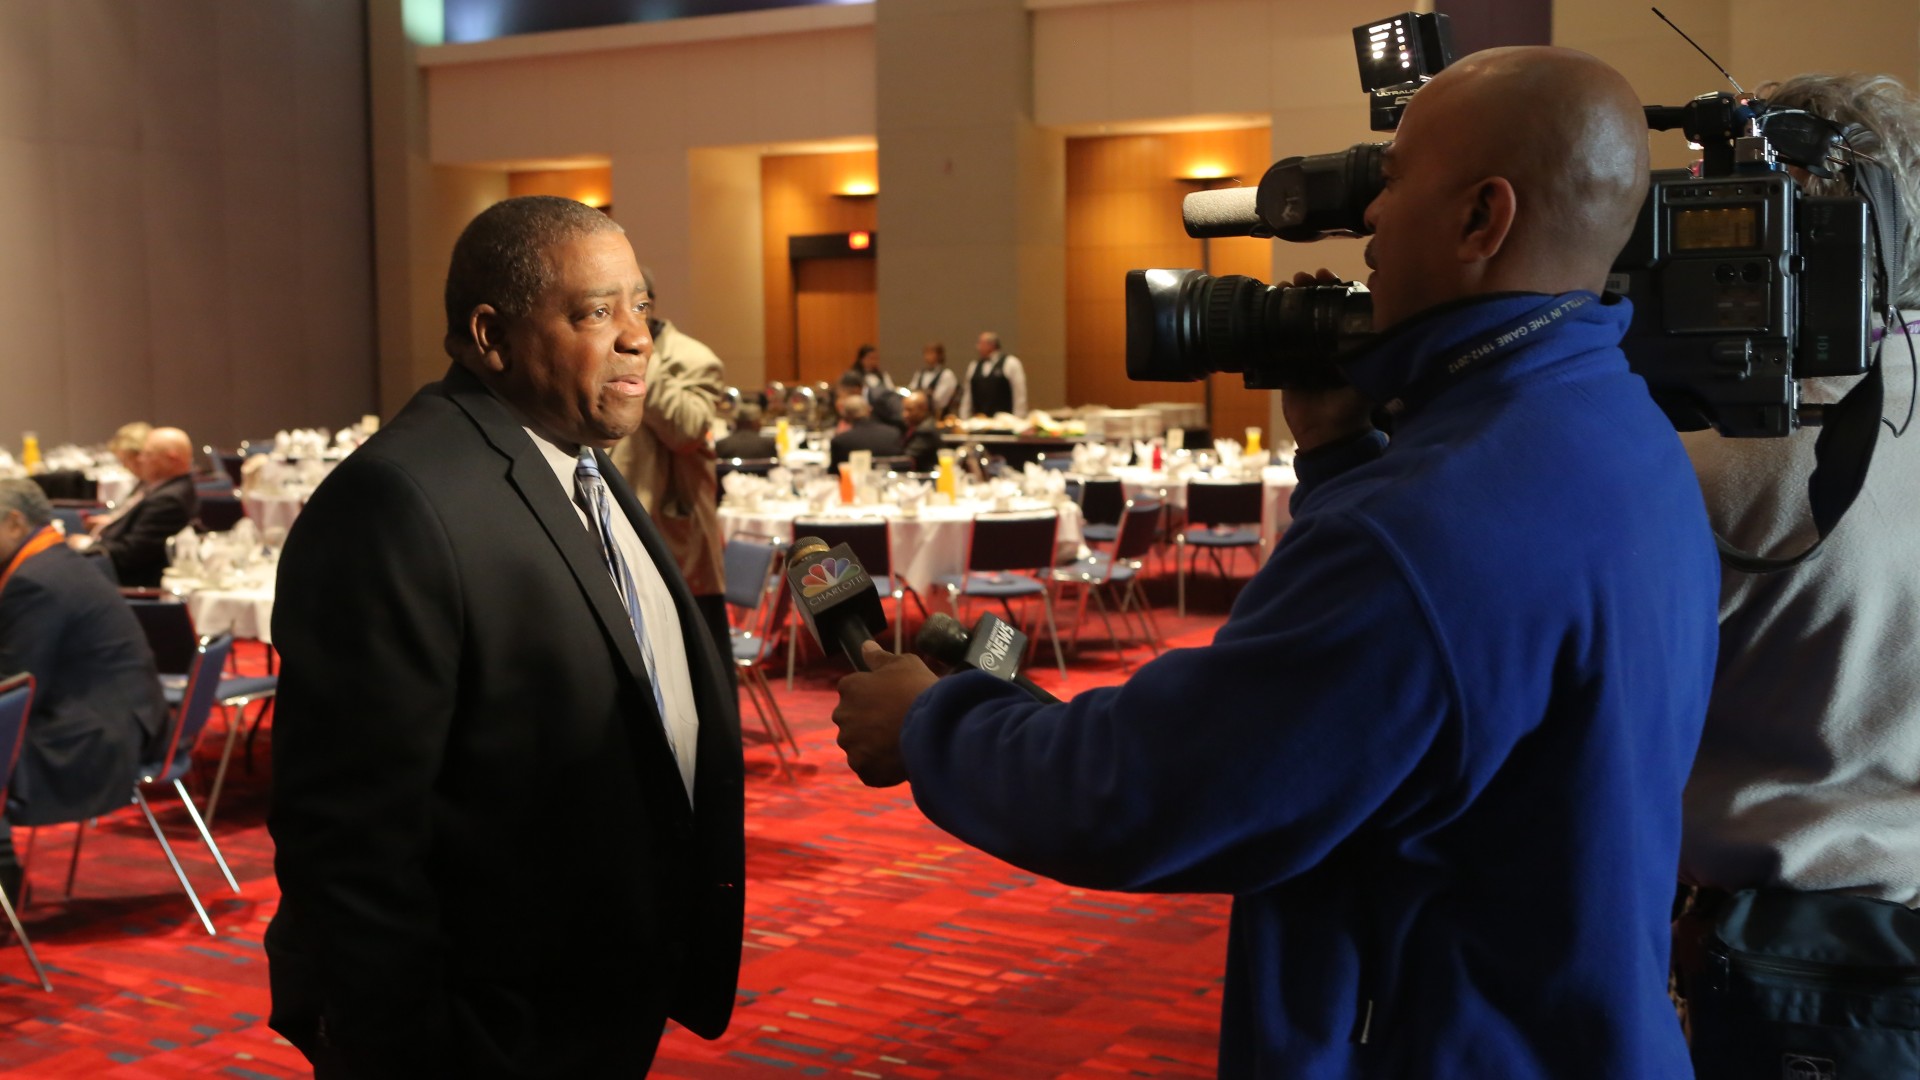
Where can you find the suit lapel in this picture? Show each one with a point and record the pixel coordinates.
(534, 479)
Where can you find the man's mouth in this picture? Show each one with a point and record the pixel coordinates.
(629, 385)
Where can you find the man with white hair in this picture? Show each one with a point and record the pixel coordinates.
(135, 536)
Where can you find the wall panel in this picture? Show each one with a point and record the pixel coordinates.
(797, 199)
(1123, 212)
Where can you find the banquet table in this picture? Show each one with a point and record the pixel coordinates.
(1277, 483)
(274, 510)
(113, 484)
(243, 606)
(925, 546)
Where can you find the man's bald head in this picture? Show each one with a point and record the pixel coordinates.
(168, 453)
(1517, 169)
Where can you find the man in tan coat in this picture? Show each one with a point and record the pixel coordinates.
(669, 463)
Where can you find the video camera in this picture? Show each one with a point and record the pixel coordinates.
(1741, 283)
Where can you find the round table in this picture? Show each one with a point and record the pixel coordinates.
(244, 608)
(274, 511)
(113, 483)
(925, 547)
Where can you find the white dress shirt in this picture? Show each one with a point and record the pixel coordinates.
(670, 672)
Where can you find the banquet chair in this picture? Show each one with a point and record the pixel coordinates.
(1220, 517)
(871, 545)
(1104, 572)
(220, 510)
(72, 521)
(16, 702)
(175, 644)
(1011, 556)
(757, 589)
(1101, 501)
(189, 720)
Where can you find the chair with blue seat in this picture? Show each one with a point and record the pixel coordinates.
(1009, 557)
(1220, 518)
(16, 703)
(220, 510)
(1101, 501)
(1117, 574)
(756, 591)
(72, 520)
(872, 545)
(189, 719)
(175, 644)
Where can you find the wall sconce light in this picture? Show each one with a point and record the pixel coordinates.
(1208, 175)
(857, 189)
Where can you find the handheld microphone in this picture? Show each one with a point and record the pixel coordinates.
(835, 596)
(994, 647)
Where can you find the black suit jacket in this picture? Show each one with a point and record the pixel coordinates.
(137, 542)
(487, 859)
(97, 699)
(746, 444)
(923, 446)
(868, 434)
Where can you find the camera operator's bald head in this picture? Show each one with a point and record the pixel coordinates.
(1517, 169)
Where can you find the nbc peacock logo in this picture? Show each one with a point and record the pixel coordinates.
(824, 575)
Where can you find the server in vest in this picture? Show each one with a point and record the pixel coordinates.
(995, 383)
(494, 676)
(936, 380)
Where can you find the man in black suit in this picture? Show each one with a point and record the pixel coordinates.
(745, 441)
(861, 432)
(135, 534)
(507, 800)
(97, 699)
(923, 434)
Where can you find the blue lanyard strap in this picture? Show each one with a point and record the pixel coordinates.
(1482, 351)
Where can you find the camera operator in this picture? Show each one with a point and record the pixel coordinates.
(1447, 725)
(1808, 776)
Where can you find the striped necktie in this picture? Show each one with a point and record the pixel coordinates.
(593, 490)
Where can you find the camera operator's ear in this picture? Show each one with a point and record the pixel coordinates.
(1490, 217)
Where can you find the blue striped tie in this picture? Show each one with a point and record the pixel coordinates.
(586, 473)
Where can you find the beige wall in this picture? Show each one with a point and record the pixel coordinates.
(1757, 41)
(183, 217)
(683, 123)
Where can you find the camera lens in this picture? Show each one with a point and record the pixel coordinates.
(1183, 325)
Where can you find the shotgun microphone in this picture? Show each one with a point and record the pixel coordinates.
(835, 597)
(994, 647)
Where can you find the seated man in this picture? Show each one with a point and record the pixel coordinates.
(135, 535)
(861, 431)
(97, 698)
(746, 441)
(923, 433)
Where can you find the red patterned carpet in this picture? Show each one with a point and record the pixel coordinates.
(876, 945)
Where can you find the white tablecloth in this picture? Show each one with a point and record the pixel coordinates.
(275, 511)
(113, 484)
(1278, 482)
(244, 610)
(924, 548)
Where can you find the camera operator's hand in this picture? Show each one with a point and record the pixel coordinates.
(873, 706)
(1320, 417)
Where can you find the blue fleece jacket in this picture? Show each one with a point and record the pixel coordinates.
(1435, 754)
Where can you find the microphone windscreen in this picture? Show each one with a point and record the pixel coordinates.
(942, 637)
(805, 548)
(1226, 212)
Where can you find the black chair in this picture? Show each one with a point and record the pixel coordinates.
(1101, 501)
(757, 591)
(872, 545)
(220, 511)
(1220, 518)
(1011, 556)
(1104, 572)
(175, 645)
(16, 702)
(188, 722)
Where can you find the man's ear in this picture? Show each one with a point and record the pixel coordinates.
(487, 338)
(1490, 212)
